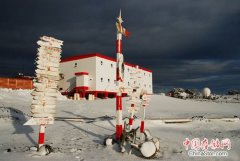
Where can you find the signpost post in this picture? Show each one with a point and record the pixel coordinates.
(134, 99)
(144, 104)
(43, 106)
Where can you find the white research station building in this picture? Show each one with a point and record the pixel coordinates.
(96, 74)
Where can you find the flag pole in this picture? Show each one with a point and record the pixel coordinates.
(119, 75)
(119, 79)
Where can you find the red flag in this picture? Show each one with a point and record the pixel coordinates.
(122, 30)
(126, 33)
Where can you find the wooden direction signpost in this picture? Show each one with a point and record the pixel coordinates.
(134, 99)
(43, 106)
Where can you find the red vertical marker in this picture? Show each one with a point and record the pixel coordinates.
(131, 118)
(119, 75)
(41, 136)
(145, 102)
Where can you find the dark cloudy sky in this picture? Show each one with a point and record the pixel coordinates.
(187, 43)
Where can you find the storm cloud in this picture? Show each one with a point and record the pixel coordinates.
(186, 43)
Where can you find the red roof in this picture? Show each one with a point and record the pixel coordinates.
(77, 57)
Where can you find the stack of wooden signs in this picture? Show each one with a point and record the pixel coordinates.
(43, 106)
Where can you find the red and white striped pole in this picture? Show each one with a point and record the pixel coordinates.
(119, 116)
(142, 128)
(41, 136)
(145, 103)
(131, 118)
(119, 78)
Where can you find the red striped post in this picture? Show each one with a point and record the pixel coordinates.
(142, 128)
(41, 136)
(119, 116)
(119, 78)
(131, 118)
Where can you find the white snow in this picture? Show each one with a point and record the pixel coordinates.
(82, 139)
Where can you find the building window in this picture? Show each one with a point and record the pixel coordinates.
(111, 65)
(108, 80)
(101, 62)
(144, 85)
(128, 69)
(128, 84)
(149, 75)
(75, 65)
(144, 74)
(149, 86)
(101, 79)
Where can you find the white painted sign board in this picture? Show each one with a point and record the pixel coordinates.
(40, 121)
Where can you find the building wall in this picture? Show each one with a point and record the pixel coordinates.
(102, 74)
(69, 68)
(106, 75)
(146, 83)
(82, 80)
(146, 78)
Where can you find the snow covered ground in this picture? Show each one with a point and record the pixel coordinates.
(82, 140)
